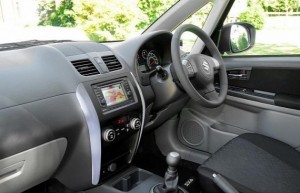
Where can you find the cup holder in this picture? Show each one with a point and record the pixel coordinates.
(128, 182)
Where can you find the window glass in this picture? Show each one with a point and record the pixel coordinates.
(277, 24)
(96, 20)
(188, 39)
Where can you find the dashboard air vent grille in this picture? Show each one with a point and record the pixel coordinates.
(85, 67)
(112, 63)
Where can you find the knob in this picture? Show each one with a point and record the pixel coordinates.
(103, 102)
(109, 135)
(173, 159)
(112, 167)
(135, 124)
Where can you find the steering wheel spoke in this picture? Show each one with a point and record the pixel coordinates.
(216, 64)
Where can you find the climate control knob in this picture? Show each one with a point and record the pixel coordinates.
(135, 124)
(109, 135)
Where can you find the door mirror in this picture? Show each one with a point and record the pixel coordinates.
(239, 38)
(236, 38)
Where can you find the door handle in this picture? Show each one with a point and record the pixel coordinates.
(237, 76)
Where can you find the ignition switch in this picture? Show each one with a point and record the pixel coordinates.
(161, 73)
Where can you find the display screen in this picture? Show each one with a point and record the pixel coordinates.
(114, 94)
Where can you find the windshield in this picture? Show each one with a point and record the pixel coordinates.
(96, 20)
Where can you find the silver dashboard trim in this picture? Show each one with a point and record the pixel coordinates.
(94, 128)
(143, 114)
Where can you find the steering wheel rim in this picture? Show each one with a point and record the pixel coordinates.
(204, 72)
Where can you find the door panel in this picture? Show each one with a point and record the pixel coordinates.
(275, 80)
(251, 105)
(273, 84)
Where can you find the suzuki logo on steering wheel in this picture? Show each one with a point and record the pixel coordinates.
(205, 66)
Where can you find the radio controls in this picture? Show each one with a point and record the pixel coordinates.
(135, 124)
(120, 86)
(103, 102)
(109, 135)
(128, 93)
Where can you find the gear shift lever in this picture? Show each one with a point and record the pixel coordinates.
(171, 176)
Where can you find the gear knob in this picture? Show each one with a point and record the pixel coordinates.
(173, 159)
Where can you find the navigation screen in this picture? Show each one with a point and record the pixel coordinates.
(114, 94)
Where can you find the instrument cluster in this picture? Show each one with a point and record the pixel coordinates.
(148, 59)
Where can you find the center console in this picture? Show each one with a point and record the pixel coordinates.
(116, 101)
(119, 104)
(120, 109)
(118, 144)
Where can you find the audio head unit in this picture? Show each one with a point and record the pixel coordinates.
(114, 95)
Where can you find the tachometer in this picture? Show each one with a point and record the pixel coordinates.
(153, 59)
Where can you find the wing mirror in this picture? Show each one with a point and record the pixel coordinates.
(236, 38)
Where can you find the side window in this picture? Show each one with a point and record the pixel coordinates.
(188, 39)
(277, 24)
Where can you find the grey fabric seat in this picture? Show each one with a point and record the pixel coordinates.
(254, 163)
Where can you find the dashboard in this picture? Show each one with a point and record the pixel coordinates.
(85, 105)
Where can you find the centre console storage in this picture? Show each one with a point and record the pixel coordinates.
(136, 180)
(132, 180)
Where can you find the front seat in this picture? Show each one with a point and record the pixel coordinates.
(254, 163)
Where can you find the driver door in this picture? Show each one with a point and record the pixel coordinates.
(263, 94)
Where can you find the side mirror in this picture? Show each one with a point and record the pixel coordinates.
(236, 38)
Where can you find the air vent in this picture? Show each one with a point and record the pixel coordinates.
(85, 67)
(112, 63)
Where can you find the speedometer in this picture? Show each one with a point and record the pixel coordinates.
(153, 59)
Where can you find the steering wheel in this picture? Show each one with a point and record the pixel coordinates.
(196, 71)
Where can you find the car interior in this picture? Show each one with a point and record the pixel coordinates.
(144, 116)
